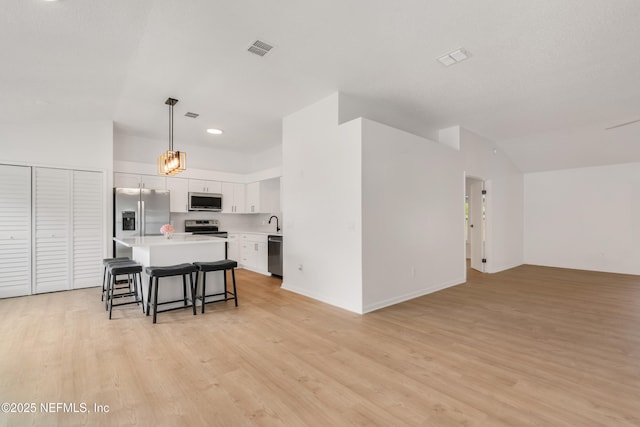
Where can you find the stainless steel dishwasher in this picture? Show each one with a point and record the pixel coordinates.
(274, 248)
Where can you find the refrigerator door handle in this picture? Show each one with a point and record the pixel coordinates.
(143, 220)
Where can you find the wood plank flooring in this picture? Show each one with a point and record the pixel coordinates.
(529, 346)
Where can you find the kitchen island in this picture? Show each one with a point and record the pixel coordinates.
(160, 251)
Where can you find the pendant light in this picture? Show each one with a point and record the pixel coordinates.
(171, 162)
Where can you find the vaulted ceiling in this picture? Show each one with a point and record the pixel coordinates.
(543, 80)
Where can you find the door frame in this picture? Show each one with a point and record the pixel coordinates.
(477, 221)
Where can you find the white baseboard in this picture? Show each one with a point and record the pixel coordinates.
(406, 297)
(317, 297)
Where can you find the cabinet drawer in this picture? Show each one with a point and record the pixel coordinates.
(250, 237)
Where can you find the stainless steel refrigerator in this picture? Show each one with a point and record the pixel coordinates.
(138, 212)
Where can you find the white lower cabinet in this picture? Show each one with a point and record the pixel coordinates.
(253, 252)
(233, 247)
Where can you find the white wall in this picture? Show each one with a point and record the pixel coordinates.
(413, 216)
(142, 150)
(584, 218)
(73, 145)
(375, 215)
(267, 159)
(322, 202)
(505, 201)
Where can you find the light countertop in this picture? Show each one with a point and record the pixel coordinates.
(176, 239)
(263, 233)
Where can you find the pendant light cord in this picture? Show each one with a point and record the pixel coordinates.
(171, 127)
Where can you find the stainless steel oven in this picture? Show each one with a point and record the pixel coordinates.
(206, 226)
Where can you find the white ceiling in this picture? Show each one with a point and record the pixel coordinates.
(537, 68)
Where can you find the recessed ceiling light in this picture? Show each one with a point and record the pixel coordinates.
(214, 131)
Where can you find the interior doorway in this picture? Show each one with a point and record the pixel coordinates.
(475, 222)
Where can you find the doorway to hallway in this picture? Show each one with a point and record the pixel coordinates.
(475, 222)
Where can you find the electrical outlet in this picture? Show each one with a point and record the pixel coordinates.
(300, 267)
(413, 272)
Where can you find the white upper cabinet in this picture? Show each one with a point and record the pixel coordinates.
(153, 182)
(178, 192)
(253, 197)
(150, 182)
(15, 231)
(202, 186)
(270, 196)
(263, 196)
(126, 180)
(233, 195)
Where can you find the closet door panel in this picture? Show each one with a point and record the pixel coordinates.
(52, 229)
(88, 241)
(15, 231)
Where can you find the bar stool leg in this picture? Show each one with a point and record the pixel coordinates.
(184, 289)
(149, 294)
(204, 289)
(138, 285)
(112, 286)
(193, 293)
(104, 282)
(106, 303)
(224, 276)
(155, 300)
(235, 293)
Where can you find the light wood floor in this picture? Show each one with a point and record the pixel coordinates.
(529, 346)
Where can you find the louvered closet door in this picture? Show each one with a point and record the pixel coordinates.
(52, 229)
(88, 241)
(15, 234)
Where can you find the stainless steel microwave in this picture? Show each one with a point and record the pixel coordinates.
(205, 202)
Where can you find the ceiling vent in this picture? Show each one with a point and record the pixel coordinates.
(453, 57)
(191, 115)
(260, 48)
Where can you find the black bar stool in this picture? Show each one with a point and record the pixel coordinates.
(222, 265)
(105, 279)
(133, 271)
(170, 271)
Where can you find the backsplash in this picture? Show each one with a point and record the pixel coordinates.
(229, 222)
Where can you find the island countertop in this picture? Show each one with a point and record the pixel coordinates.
(176, 239)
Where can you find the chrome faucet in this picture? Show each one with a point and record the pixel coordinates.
(277, 223)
